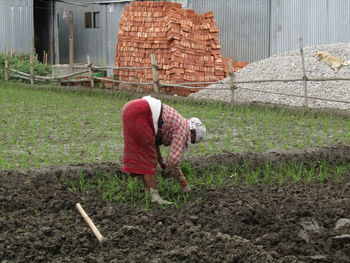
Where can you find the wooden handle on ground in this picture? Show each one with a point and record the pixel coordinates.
(90, 223)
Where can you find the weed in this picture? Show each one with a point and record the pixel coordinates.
(21, 62)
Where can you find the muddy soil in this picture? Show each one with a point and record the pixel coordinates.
(303, 222)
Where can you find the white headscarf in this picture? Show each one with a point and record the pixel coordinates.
(196, 124)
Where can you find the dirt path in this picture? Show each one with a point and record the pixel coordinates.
(304, 222)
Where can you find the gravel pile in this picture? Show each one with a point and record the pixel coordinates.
(288, 66)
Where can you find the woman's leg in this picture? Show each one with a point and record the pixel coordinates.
(149, 181)
(150, 186)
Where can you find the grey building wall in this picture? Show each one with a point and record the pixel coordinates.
(244, 26)
(87, 41)
(316, 21)
(16, 25)
(114, 12)
(250, 30)
(98, 43)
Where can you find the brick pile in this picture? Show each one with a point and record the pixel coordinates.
(186, 44)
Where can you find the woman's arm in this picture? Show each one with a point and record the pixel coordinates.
(180, 177)
(160, 157)
(159, 153)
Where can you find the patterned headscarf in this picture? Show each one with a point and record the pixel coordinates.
(196, 124)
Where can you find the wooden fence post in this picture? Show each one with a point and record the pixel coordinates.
(304, 74)
(6, 73)
(71, 38)
(31, 61)
(155, 73)
(53, 76)
(232, 79)
(91, 72)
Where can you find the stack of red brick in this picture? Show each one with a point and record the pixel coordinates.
(186, 44)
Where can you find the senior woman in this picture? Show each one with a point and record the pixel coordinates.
(147, 124)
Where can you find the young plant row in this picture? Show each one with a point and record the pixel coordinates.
(128, 190)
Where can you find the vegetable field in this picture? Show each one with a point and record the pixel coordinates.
(270, 184)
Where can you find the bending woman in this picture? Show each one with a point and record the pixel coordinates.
(147, 124)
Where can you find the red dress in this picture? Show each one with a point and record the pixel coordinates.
(140, 150)
(140, 155)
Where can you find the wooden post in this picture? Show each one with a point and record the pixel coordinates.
(71, 38)
(155, 73)
(31, 61)
(53, 76)
(6, 73)
(232, 79)
(91, 72)
(44, 57)
(304, 74)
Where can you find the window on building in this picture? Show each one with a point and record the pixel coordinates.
(92, 20)
(97, 19)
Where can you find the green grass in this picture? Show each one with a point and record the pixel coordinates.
(48, 126)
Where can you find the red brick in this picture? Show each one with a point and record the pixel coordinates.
(186, 44)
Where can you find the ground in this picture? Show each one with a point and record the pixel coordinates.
(292, 222)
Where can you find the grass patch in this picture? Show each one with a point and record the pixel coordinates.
(49, 126)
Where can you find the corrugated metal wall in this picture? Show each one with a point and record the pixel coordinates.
(16, 25)
(87, 41)
(250, 29)
(316, 21)
(114, 12)
(98, 43)
(256, 29)
(244, 26)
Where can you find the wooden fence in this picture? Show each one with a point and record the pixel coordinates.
(157, 85)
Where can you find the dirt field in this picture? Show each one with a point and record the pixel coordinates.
(303, 222)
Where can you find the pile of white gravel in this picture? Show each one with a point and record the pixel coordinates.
(288, 66)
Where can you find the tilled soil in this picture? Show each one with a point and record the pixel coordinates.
(293, 222)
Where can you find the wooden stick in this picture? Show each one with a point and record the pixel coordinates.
(87, 219)
(6, 69)
(72, 74)
(91, 72)
(232, 79)
(31, 62)
(71, 38)
(304, 74)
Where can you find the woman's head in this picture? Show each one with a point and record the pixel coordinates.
(198, 130)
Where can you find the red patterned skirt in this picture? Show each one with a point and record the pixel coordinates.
(140, 155)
